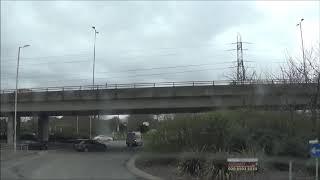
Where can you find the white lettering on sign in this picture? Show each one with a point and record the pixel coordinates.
(315, 141)
(315, 150)
(242, 164)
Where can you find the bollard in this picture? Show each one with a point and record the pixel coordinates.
(290, 170)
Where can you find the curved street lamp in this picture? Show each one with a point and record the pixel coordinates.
(94, 53)
(93, 68)
(16, 99)
(303, 56)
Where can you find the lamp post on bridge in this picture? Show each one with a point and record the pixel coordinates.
(93, 69)
(94, 54)
(16, 100)
(303, 56)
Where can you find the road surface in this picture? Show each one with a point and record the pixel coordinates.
(68, 164)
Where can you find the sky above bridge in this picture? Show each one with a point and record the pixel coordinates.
(144, 41)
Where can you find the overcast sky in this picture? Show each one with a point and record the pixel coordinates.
(148, 41)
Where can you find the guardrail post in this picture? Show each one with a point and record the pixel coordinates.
(212, 83)
(116, 86)
(134, 85)
(154, 84)
(107, 85)
(192, 83)
(172, 84)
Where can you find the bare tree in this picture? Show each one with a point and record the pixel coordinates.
(250, 76)
(292, 72)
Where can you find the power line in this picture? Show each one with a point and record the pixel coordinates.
(168, 67)
(139, 75)
(132, 70)
(88, 54)
(43, 57)
(63, 62)
(174, 72)
(132, 50)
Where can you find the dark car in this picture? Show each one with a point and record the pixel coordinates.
(31, 142)
(77, 141)
(33, 145)
(90, 145)
(134, 139)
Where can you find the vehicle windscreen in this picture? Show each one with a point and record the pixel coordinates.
(178, 89)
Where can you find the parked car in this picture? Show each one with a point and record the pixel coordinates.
(34, 145)
(90, 145)
(31, 141)
(77, 141)
(103, 138)
(134, 139)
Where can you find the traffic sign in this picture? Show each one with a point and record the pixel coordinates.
(242, 164)
(315, 150)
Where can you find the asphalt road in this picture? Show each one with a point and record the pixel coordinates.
(65, 163)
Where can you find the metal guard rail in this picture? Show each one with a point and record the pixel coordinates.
(145, 85)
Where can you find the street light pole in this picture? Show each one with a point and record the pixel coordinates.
(94, 54)
(93, 68)
(303, 56)
(16, 100)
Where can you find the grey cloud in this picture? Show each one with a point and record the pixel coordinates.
(133, 35)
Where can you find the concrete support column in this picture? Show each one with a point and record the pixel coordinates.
(18, 127)
(10, 129)
(43, 127)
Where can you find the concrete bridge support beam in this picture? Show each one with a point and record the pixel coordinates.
(43, 127)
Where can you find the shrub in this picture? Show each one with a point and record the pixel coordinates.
(274, 133)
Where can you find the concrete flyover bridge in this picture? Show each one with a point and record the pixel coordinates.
(156, 98)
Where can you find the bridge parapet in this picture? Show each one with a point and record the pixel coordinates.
(165, 92)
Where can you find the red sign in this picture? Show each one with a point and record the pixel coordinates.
(242, 164)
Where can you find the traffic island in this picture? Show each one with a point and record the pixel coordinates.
(173, 166)
(131, 165)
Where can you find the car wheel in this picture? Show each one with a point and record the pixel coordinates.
(105, 148)
(86, 149)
